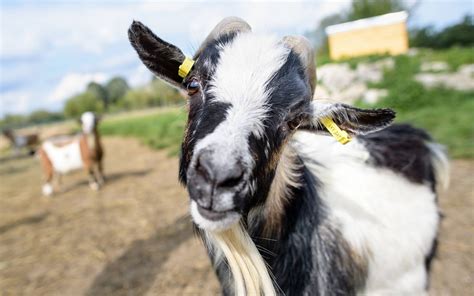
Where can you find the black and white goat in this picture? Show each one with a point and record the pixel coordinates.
(61, 155)
(282, 207)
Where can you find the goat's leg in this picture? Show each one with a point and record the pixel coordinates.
(59, 181)
(93, 184)
(100, 175)
(47, 171)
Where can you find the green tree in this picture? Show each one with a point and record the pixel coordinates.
(116, 89)
(42, 116)
(368, 8)
(460, 34)
(99, 92)
(87, 101)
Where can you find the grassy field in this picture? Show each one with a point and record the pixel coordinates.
(162, 129)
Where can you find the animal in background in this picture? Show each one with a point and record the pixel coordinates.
(283, 207)
(63, 154)
(18, 141)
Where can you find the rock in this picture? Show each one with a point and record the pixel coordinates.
(467, 70)
(413, 52)
(369, 73)
(372, 96)
(336, 77)
(434, 66)
(321, 93)
(458, 80)
(350, 94)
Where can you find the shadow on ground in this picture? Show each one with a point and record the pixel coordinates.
(134, 272)
(34, 219)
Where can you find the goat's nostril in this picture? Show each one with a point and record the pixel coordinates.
(231, 181)
(202, 167)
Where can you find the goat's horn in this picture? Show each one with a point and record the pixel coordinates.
(228, 25)
(301, 46)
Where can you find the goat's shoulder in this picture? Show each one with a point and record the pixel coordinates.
(403, 149)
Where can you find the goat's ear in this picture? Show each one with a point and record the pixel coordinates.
(353, 120)
(159, 56)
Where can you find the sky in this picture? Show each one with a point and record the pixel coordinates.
(51, 49)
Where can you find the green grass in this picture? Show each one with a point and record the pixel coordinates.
(455, 56)
(445, 113)
(163, 130)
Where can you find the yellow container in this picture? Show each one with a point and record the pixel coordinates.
(376, 35)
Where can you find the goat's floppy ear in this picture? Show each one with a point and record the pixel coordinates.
(159, 56)
(353, 120)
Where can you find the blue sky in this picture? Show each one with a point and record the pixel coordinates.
(50, 50)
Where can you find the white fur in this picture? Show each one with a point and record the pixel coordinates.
(88, 122)
(382, 215)
(66, 158)
(204, 223)
(47, 189)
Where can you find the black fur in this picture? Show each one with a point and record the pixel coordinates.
(402, 149)
(161, 57)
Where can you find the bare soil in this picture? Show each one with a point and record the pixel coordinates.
(134, 236)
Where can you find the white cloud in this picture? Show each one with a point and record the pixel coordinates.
(15, 102)
(74, 83)
(140, 76)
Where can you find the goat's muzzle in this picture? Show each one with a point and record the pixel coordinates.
(216, 185)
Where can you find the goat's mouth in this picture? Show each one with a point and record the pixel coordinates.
(213, 220)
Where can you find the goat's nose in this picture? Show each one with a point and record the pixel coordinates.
(219, 176)
(215, 180)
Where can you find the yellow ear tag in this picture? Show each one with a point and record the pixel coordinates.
(185, 67)
(340, 135)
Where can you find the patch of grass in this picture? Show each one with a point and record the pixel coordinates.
(163, 130)
(455, 56)
(445, 113)
(353, 62)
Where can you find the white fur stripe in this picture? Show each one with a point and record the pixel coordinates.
(245, 67)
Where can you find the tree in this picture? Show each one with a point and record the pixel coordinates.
(116, 89)
(460, 34)
(87, 101)
(368, 8)
(99, 92)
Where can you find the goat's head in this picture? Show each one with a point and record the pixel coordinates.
(247, 95)
(89, 122)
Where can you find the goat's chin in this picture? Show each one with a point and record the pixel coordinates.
(224, 223)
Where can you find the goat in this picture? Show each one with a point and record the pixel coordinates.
(29, 141)
(282, 207)
(64, 154)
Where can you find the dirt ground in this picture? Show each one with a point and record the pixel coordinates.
(134, 236)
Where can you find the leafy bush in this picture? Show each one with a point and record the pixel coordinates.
(461, 34)
(162, 130)
(87, 101)
(116, 89)
(157, 93)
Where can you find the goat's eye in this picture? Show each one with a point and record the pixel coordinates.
(193, 87)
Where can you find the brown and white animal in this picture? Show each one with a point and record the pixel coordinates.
(64, 154)
(18, 141)
(282, 207)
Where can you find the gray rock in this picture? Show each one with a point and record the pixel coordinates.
(435, 66)
(372, 96)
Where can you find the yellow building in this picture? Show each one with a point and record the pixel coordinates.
(375, 35)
